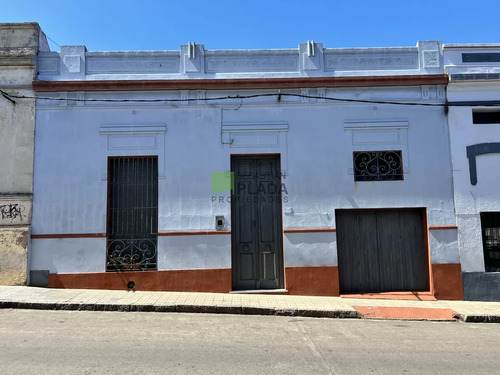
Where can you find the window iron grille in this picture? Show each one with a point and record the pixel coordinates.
(378, 165)
(490, 225)
(132, 233)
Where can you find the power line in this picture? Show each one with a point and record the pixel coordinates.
(7, 96)
(52, 40)
(278, 95)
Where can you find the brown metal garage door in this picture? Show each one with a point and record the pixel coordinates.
(381, 250)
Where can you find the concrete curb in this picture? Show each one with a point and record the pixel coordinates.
(22, 297)
(479, 318)
(199, 309)
(214, 309)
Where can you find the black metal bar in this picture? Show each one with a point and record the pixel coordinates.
(132, 232)
(476, 150)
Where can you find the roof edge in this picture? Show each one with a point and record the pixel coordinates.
(241, 83)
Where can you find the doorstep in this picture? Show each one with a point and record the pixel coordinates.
(407, 296)
(260, 291)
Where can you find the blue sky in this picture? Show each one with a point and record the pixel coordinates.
(110, 25)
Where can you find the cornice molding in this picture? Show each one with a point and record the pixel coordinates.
(242, 83)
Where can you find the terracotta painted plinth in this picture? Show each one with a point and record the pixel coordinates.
(312, 281)
(308, 281)
(446, 285)
(200, 280)
(447, 281)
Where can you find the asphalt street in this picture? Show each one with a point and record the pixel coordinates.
(77, 342)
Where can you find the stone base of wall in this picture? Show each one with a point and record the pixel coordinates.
(481, 286)
(13, 255)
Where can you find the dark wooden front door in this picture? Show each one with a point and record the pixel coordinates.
(381, 250)
(256, 223)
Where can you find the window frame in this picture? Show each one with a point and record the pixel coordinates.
(486, 117)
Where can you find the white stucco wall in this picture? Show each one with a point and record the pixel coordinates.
(66, 255)
(315, 140)
(471, 200)
(444, 246)
(473, 82)
(194, 252)
(310, 249)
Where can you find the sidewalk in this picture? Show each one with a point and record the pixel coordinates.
(23, 297)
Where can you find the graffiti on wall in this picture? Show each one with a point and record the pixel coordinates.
(12, 212)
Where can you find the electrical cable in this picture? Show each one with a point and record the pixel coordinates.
(49, 38)
(278, 95)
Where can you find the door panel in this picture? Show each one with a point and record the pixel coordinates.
(389, 250)
(415, 263)
(245, 224)
(381, 250)
(269, 266)
(247, 266)
(256, 222)
(360, 251)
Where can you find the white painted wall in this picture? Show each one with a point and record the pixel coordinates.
(194, 252)
(71, 151)
(310, 249)
(66, 255)
(471, 200)
(443, 244)
(469, 83)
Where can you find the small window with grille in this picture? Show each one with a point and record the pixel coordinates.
(490, 226)
(378, 165)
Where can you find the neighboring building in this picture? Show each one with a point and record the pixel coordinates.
(330, 197)
(19, 45)
(474, 121)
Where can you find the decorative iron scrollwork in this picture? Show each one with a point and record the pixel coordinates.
(378, 166)
(132, 232)
(132, 254)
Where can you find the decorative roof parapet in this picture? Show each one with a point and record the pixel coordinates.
(472, 62)
(194, 62)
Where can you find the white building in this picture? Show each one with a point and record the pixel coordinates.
(134, 153)
(474, 121)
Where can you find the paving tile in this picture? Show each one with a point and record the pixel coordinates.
(122, 300)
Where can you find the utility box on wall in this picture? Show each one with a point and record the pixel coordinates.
(220, 222)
